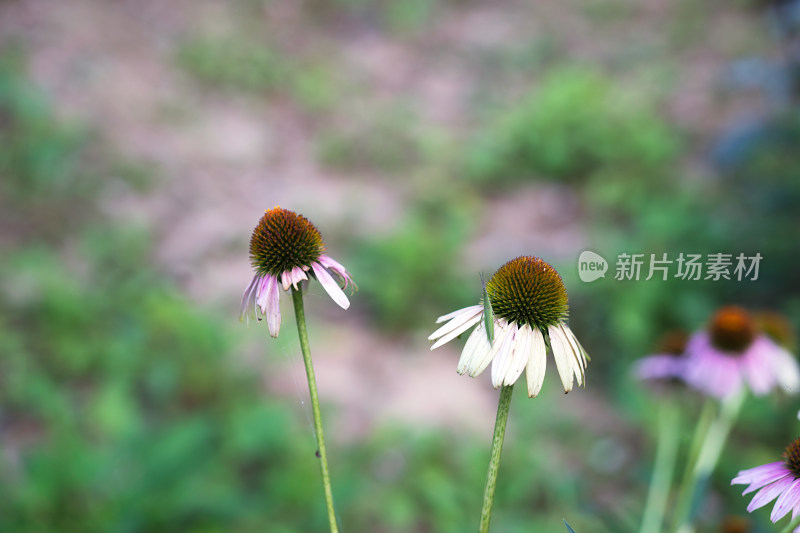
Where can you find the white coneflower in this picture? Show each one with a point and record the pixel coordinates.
(284, 248)
(529, 310)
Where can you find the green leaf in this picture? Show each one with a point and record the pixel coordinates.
(488, 317)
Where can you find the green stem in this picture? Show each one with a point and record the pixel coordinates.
(707, 457)
(299, 312)
(664, 465)
(503, 406)
(683, 499)
(791, 526)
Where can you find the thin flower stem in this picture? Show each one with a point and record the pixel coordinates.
(683, 498)
(503, 406)
(664, 465)
(709, 453)
(297, 297)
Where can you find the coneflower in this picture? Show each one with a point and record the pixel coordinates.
(524, 310)
(285, 249)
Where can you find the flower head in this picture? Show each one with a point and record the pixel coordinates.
(779, 480)
(668, 364)
(732, 352)
(528, 310)
(777, 327)
(284, 249)
(729, 353)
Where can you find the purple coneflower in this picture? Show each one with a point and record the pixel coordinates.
(529, 307)
(668, 364)
(779, 480)
(284, 249)
(732, 353)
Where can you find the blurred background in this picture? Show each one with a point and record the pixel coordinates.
(141, 141)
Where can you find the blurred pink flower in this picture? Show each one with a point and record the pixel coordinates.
(729, 354)
(732, 354)
(668, 364)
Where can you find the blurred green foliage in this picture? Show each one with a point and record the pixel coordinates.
(121, 406)
(39, 158)
(411, 274)
(51, 174)
(382, 141)
(232, 63)
(122, 413)
(123, 410)
(248, 65)
(573, 126)
(43, 164)
(397, 18)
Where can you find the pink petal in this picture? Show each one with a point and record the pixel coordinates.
(335, 267)
(330, 286)
(761, 475)
(286, 280)
(297, 276)
(658, 366)
(756, 486)
(273, 306)
(757, 370)
(249, 299)
(263, 290)
(769, 493)
(786, 501)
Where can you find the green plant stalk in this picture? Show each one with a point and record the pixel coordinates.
(503, 406)
(664, 465)
(708, 456)
(299, 312)
(683, 498)
(791, 526)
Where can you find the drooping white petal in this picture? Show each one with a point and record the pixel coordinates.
(502, 360)
(273, 305)
(467, 310)
(537, 363)
(579, 364)
(330, 285)
(562, 353)
(579, 349)
(476, 347)
(522, 348)
(456, 322)
(249, 300)
(479, 364)
(453, 333)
